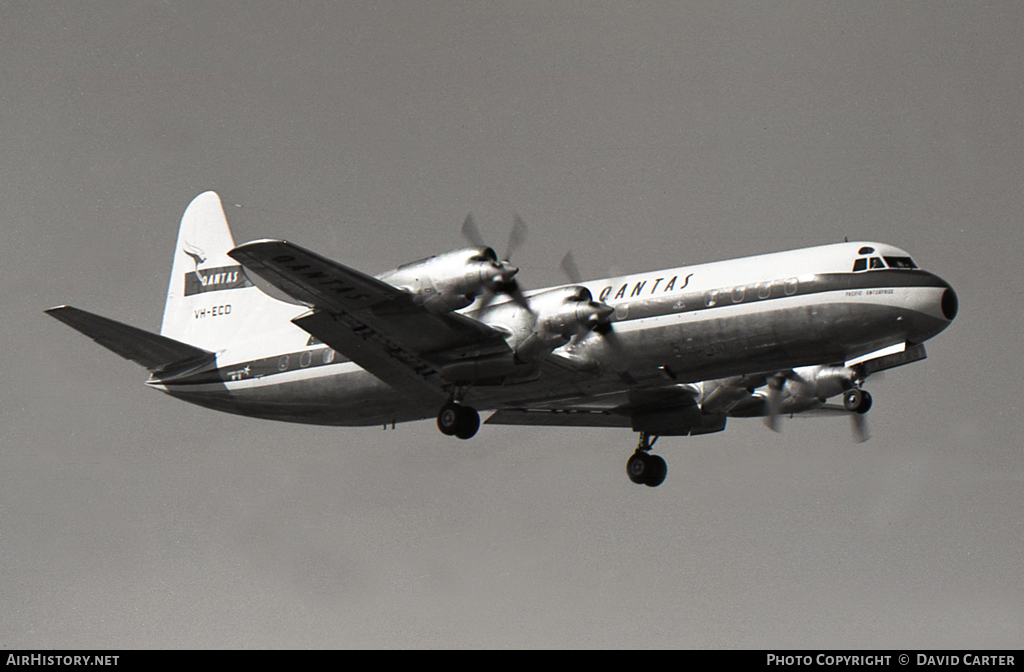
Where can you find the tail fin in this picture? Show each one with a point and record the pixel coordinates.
(210, 300)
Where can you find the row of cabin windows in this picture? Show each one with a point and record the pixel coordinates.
(876, 262)
(306, 358)
(715, 297)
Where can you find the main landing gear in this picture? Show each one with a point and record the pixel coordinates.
(455, 419)
(644, 468)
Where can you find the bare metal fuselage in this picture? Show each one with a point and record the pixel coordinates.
(679, 326)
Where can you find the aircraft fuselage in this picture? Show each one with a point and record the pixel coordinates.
(684, 325)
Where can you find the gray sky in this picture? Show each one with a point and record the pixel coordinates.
(640, 135)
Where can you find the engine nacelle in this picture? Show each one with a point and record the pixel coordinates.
(819, 382)
(567, 311)
(560, 314)
(789, 391)
(450, 281)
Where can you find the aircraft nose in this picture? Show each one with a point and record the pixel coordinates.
(935, 307)
(950, 303)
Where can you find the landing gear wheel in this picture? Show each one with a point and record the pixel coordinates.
(646, 469)
(857, 401)
(458, 420)
(638, 467)
(468, 423)
(659, 470)
(448, 419)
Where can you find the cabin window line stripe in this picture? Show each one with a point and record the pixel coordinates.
(265, 366)
(757, 292)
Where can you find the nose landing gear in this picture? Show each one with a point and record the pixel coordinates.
(644, 468)
(455, 419)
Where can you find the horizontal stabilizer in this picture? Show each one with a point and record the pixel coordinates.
(161, 355)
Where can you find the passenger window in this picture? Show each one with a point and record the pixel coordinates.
(791, 286)
(738, 293)
(860, 265)
(711, 298)
(764, 290)
(876, 262)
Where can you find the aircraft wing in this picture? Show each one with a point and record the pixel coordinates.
(664, 410)
(376, 325)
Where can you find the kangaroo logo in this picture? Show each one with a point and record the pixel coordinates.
(194, 252)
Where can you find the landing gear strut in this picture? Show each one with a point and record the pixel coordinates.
(644, 468)
(455, 419)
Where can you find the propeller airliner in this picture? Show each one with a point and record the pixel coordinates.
(674, 352)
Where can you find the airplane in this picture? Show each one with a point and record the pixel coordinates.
(672, 352)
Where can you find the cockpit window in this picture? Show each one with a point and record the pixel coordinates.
(865, 250)
(864, 263)
(900, 262)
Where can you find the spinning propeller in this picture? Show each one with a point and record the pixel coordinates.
(602, 325)
(859, 425)
(503, 280)
(774, 401)
(566, 313)
(775, 397)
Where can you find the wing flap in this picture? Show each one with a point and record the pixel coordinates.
(910, 355)
(567, 417)
(665, 408)
(402, 370)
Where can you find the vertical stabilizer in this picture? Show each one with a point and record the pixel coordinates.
(211, 303)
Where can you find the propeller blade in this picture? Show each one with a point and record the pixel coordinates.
(471, 233)
(775, 384)
(611, 338)
(571, 270)
(513, 290)
(859, 425)
(485, 302)
(517, 236)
